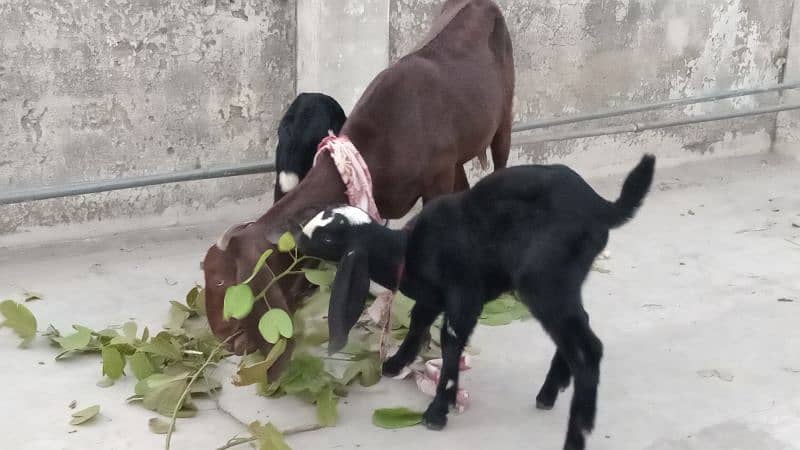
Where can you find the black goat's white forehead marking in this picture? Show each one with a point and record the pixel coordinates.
(354, 216)
(320, 220)
(343, 215)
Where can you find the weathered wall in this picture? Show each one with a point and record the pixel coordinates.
(589, 55)
(787, 136)
(93, 89)
(343, 45)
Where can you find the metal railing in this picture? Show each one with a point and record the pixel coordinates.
(258, 167)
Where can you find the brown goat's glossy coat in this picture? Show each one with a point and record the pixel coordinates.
(415, 125)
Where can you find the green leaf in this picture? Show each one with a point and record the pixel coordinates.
(113, 363)
(158, 425)
(286, 243)
(327, 414)
(20, 319)
(392, 418)
(274, 324)
(177, 316)
(493, 320)
(163, 345)
(367, 370)
(257, 372)
(305, 376)
(85, 415)
(128, 336)
(161, 393)
(320, 277)
(141, 365)
(105, 382)
(78, 341)
(259, 265)
(238, 302)
(269, 438)
(196, 300)
(401, 310)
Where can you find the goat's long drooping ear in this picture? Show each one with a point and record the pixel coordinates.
(348, 297)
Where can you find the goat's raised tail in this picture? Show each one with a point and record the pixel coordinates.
(635, 188)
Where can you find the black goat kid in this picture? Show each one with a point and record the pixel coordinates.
(307, 121)
(532, 229)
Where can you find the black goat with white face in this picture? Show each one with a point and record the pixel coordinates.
(532, 229)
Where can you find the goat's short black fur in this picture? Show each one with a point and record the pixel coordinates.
(532, 229)
(305, 124)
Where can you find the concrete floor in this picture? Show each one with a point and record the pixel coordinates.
(699, 352)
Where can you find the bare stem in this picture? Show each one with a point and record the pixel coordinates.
(297, 430)
(189, 387)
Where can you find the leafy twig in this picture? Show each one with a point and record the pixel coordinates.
(189, 387)
(297, 430)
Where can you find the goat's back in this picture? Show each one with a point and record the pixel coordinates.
(437, 107)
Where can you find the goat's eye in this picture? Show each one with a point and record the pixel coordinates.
(327, 240)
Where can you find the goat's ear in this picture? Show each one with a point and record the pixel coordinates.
(348, 297)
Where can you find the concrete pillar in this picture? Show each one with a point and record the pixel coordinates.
(787, 135)
(341, 46)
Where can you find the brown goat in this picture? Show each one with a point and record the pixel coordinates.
(416, 125)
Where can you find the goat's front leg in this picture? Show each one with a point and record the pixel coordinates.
(459, 322)
(422, 317)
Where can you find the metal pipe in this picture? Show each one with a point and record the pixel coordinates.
(643, 126)
(544, 123)
(46, 192)
(90, 187)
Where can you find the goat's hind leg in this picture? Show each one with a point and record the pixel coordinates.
(556, 381)
(583, 351)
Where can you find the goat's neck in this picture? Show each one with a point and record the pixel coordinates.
(386, 249)
(321, 187)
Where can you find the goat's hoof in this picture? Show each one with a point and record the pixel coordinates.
(546, 399)
(435, 422)
(392, 367)
(544, 406)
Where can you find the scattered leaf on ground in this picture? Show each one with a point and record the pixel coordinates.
(105, 382)
(256, 372)
(327, 413)
(177, 316)
(392, 418)
(19, 319)
(158, 425)
(367, 370)
(73, 404)
(113, 363)
(85, 415)
(269, 438)
(78, 341)
(163, 345)
(141, 365)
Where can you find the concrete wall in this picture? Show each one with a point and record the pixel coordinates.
(590, 55)
(93, 89)
(787, 138)
(343, 45)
